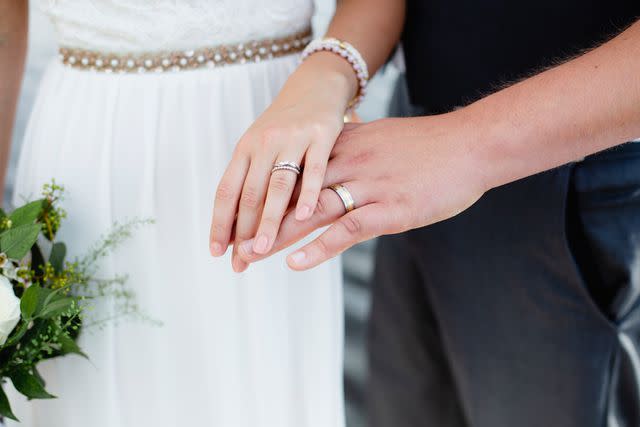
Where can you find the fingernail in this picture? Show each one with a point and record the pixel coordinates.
(297, 258)
(216, 249)
(261, 244)
(246, 247)
(303, 212)
(238, 265)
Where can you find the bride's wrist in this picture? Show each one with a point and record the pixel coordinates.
(333, 73)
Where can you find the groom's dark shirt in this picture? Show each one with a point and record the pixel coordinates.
(458, 50)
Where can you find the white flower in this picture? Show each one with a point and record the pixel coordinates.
(9, 309)
(10, 271)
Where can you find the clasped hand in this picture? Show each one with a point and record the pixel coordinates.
(402, 173)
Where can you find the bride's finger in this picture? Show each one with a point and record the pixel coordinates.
(315, 167)
(250, 205)
(328, 209)
(226, 203)
(281, 186)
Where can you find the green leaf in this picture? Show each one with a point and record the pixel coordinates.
(48, 297)
(27, 214)
(56, 307)
(29, 301)
(17, 334)
(28, 384)
(17, 241)
(69, 345)
(58, 252)
(36, 300)
(5, 406)
(36, 374)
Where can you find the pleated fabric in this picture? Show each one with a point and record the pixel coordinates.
(263, 348)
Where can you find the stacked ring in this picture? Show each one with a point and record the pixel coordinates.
(287, 166)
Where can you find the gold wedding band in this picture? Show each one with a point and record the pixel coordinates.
(345, 196)
(287, 166)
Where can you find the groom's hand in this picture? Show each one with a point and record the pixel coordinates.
(401, 173)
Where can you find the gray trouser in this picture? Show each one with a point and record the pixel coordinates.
(521, 311)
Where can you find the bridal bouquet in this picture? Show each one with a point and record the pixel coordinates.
(43, 297)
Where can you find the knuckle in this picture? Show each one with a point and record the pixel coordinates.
(270, 136)
(351, 225)
(322, 247)
(400, 198)
(240, 149)
(321, 207)
(250, 198)
(309, 196)
(345, 137)
(359, 159)
(315, 169)
(281, 183)
(269, 223)
(218, 229)
(318, 130)
(403, 220)
(224, 192)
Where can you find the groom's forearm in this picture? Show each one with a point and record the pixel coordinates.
(563, 114)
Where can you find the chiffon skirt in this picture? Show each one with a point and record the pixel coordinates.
(262, 348)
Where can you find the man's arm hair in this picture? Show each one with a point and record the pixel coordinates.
(574, 109)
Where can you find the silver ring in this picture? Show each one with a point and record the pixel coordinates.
(287, 166)
(345, 196)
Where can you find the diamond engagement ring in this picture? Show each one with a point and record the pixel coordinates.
(287, 166)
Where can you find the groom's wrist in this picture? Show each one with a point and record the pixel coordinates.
(498, 142)
(472, 138)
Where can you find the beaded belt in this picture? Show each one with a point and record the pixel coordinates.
(209, 57)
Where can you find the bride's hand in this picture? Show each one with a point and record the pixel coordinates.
(301, 126)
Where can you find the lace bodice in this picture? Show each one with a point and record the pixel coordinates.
(160, 25)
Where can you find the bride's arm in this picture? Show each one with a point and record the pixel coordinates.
(13, 48)
(301, 126)
(372, 26)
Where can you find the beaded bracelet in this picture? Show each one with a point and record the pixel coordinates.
(349, 53)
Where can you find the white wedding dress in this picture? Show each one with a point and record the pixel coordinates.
(263, 348)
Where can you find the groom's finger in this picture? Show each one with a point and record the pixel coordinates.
(357, 226)
(328, 209)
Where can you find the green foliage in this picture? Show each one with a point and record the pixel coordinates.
(53, 293)
(29, 301)
(29, 384)
(56, 259)
(57, 307)
(52, 214)
(69, 346)
(27, 214)
(5, 407)
(17, 241)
